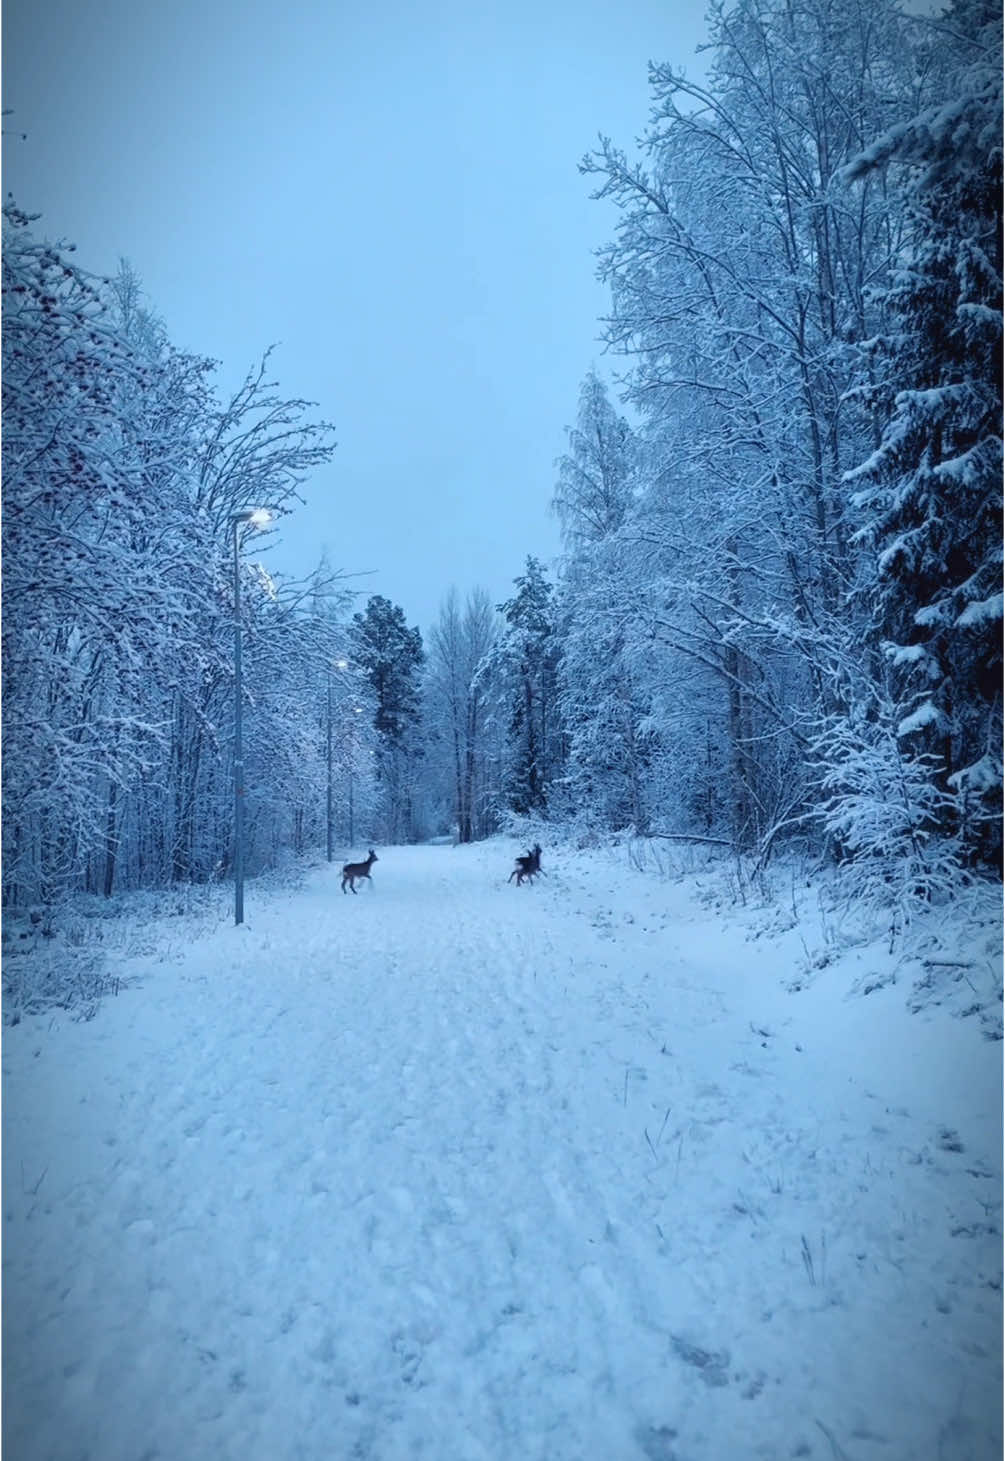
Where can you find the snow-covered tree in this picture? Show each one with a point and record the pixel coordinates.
(121, 473)
(460, 695)
(526, 664)
(391, 655)
(740, 278)
(597, 609)
(932, 489)
(96, 568)
(604, 694)
(595, 476)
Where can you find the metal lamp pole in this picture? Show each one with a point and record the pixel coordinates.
(259, 517)
(328, 823)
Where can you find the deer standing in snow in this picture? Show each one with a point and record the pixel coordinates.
(357, 870)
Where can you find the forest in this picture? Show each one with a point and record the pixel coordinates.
(776, 619)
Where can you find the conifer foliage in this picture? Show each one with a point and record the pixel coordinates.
(932, 490)
(527, 660)
(390, 655)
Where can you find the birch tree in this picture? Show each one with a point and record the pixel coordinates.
(740, 278)
(461, 701)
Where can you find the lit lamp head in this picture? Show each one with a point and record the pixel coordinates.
(258, 517)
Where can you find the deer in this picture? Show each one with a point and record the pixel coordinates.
(354, 870)
(527, 867)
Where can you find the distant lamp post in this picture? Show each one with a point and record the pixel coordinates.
(258, 517)
(340, 664)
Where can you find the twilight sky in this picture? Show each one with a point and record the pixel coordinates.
(389, 190)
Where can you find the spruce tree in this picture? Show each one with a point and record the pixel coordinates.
(391, 656)
(932, 489)
(529, 656)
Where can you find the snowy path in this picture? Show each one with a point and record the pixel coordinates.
(462, 1171)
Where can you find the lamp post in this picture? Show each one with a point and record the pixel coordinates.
(260, 517)
(328, 812)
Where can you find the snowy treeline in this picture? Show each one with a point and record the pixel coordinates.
(782, 590)
(777, 614)
(123, 471)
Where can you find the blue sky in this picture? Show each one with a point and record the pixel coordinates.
(390, 192)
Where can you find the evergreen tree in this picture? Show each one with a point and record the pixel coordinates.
(598, 611)
(528, 658)
(391, 656)
(932, 489)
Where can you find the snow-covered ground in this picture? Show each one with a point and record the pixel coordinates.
(459, 1170)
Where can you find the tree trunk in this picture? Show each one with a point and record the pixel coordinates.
(111, 841)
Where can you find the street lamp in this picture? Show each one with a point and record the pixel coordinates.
(340, 664)
(258, 517)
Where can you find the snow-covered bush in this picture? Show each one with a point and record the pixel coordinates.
(884, 812)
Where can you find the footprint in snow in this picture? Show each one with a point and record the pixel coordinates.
(409, 1358)
(712, 1365)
